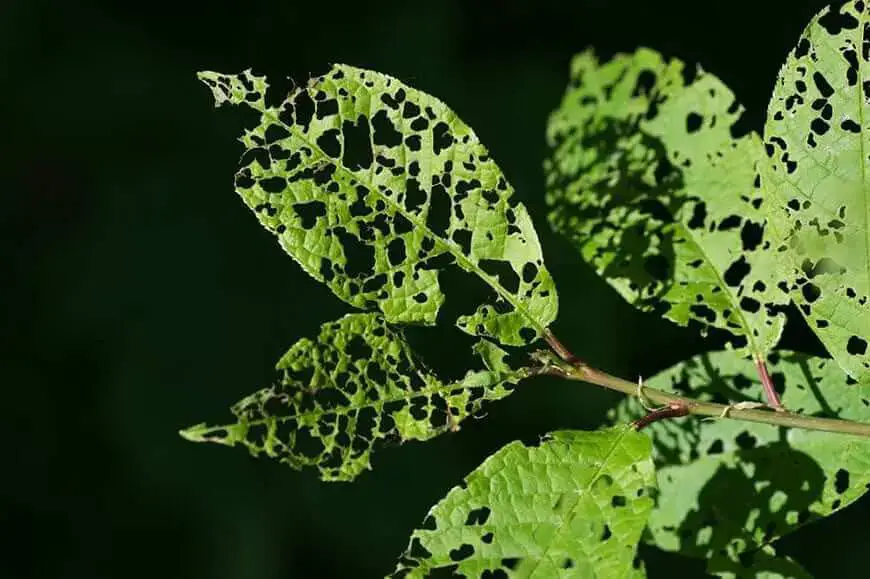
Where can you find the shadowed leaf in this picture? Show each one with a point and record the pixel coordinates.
(731, 487)
(648, 182)
(817, 180)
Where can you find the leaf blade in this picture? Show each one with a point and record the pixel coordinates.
(818, 182)
(757, 481)
(375, 211)
(584, 505)
(357, 387)
(648, 182)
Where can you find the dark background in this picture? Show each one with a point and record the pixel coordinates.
(141, 295)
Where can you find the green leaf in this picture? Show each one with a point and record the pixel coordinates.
(731, 486)
(357, 387)
(374, 187)
(573, 506)
(817, 181)
(648, 182)
(762, 564)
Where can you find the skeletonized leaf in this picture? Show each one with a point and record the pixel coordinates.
(735, 486)
(648, 182)
(818, 180)
(357, 387)
(573, 506)
(373, 187)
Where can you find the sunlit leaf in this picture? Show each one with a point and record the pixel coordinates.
(818, 180)
(573, 506)
(648, 181)
(731, 486)
(356, 387)
(374, 187)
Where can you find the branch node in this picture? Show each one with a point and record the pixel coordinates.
(563, 352)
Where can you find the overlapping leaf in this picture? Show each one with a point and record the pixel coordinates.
(357, 387)
(373, 187)
(648, 182)
(818, 180)
(731, 487)
(573, 506)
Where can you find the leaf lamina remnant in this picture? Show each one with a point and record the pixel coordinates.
(359, 385)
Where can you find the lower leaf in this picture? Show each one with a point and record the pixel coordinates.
(732, 487)
(573, 506)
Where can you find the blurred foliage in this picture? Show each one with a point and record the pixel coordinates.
(140, 294)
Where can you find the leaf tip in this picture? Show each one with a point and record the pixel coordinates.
(204, 433)
(235, 89)
(194, 433)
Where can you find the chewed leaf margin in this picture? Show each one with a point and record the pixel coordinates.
(373, 187)
(357, 387)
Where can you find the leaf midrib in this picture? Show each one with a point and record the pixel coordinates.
(825, 336)
(866, 195)
(583, 494)
(754, 347)
(436, 388)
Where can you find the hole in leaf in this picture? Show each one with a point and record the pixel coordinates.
(745, 440)
(736, 272)
(357, 144)
(693, 122)
(478, 516)
(857, 346)
(841, 481)
(330, 143)
(309, 212)
(385, 132)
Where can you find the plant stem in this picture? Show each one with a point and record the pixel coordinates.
(767, 383)
(564, 353)
(582, 372)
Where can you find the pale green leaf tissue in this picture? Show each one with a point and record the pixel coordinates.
(374, 187)
(817, 181)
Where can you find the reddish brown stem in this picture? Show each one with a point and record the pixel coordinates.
(559, 348)
(767, 383)
(671, 410)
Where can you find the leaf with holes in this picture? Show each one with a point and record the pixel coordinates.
(648, 182)
(374, 187)
(358, 386)
(731, 486)
(574, 505)
(818, 180)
